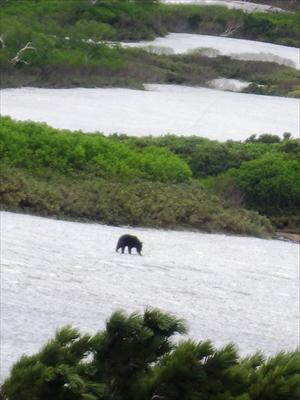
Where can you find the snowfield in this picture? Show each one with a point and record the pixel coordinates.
(157, 111)
(55, 273)
(163, 109)
(231, 4)
(212, 46)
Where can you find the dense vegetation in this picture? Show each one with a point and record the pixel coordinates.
(134, 359)
(166, 182)
(75, 43)
(37, 147)
(123, 180)
(260, 173)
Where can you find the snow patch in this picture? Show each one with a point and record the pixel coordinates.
(228, 289)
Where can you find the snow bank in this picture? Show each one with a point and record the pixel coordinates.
(212, 46)
(55, 273)
(231, 4)
(159, 110)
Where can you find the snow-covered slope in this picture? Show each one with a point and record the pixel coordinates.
(159, 110)
(232, 4)
(55, 273)
(163, 109)
(240, 49)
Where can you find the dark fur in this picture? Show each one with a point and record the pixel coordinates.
(130, 242)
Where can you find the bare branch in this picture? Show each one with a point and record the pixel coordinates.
(233, 26)
(18, 57)
(2, 40)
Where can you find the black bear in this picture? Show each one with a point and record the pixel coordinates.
(130, 242)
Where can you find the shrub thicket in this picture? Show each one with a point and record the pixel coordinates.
(135, 203)
(38, 147)
(270, 183)
(208, 157)
(149, 181)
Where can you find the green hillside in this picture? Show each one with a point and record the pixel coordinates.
(249, 187)
(75, 44)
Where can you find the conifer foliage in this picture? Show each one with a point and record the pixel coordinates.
(134, 358)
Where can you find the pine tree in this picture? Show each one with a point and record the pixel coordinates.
(56, 372)
(134, 358)
(125, 352)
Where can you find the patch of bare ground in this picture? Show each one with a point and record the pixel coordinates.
(291, 237)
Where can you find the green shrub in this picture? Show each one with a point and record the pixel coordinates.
(270, 182)
(37, 146)
(137, 203)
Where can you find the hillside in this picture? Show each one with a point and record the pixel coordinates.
(248, 188)
(75, 44)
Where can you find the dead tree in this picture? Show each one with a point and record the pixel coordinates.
(2, 41)
(232, 28)
(18, 58)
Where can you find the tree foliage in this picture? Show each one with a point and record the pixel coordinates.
(134, 358)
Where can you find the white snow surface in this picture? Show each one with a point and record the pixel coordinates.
(241, 49)
(233, 85)
(159, 110)
(231, 4)
(228, 289)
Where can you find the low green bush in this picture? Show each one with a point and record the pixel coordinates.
(271, 186)
(270, 182)
(37, 146)
(135, 202)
